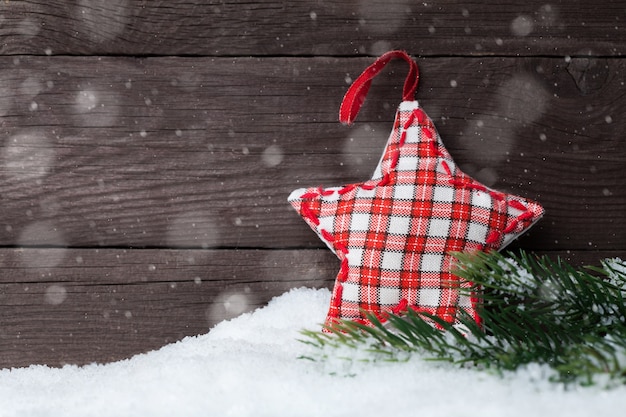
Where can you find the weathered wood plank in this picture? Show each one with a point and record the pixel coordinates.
(202, 153)
(312, 27)
(77, 306)
(82, 305)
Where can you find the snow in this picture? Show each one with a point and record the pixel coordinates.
(250, 366)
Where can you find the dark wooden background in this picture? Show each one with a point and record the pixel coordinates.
(148, 147)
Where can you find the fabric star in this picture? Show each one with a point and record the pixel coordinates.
(394, 233)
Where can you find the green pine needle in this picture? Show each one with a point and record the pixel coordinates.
(533, 310)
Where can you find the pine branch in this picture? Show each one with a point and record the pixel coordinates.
(533, 310)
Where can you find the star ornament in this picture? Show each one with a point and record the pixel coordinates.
(394, 233)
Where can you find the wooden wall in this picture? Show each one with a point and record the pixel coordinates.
(147, 147)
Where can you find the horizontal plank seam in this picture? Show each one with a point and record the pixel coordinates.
(173, 248)
(307, 56)
(259, 248)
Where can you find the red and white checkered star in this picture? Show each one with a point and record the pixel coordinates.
(394, 234)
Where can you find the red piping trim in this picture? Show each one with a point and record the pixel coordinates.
(327, 235)
(346, 189)
(517, 205)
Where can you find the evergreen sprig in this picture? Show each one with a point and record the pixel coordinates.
(533, 310)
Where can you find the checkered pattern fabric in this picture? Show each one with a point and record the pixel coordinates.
(394, 232)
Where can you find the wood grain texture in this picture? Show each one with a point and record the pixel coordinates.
(202, 153)
(180, 127)
(312, 27)
(82, 305)
(77, 306)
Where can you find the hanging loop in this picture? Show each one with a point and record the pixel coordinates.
(355, 96)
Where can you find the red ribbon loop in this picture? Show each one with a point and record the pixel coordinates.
(355, 96)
